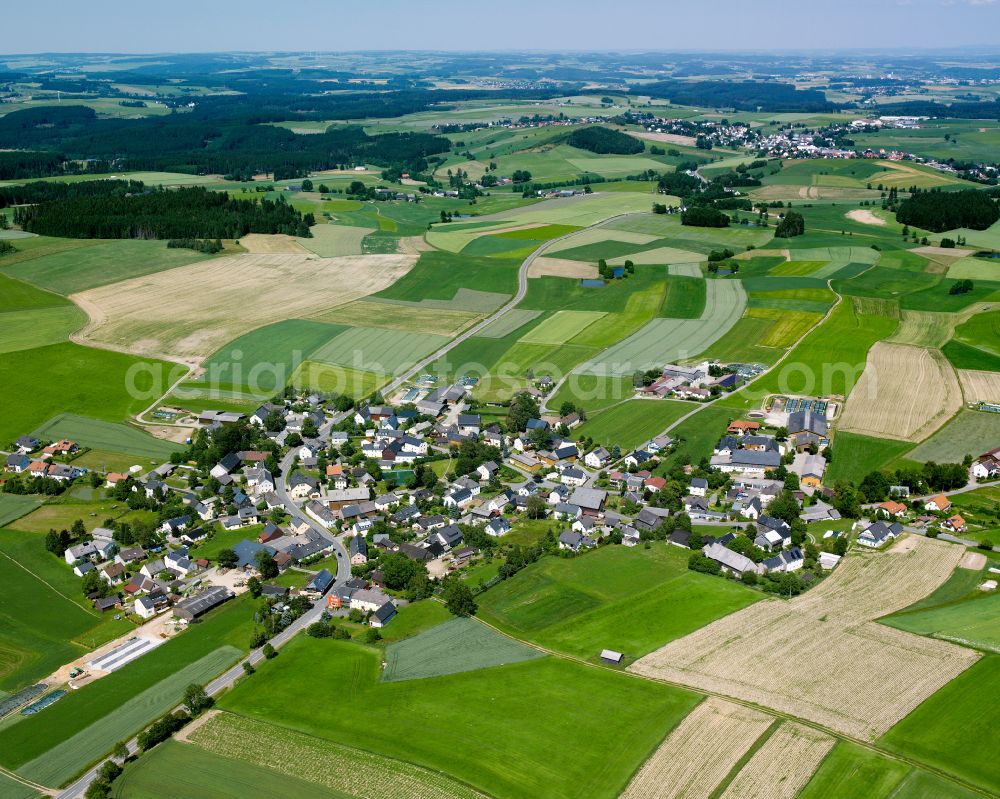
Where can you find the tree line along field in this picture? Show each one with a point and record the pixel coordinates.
(546, 700)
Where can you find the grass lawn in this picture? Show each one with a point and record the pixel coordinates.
(415, 618)
(33, 736)
(633, 422)
(101, 263)
(606, 723)
(855, 455)
(453, 647)
(68, 378)
(632, 600)
(592, 392)
(954, 729)
(195, 773)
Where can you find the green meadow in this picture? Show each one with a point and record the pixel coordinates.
(633, 422)
(954, 729)
(606, 723)
(106, 436)
(632, 600)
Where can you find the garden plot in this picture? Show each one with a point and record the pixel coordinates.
(980, 386)
(666, 340)
(193, 310)
(339, 768)
(783, 765)
(700, 752)
(904, 393)
(457, 645)
(814, 656)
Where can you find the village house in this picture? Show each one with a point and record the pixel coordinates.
(954, 524)
(730, 562)
(891, 510)
(879, 533)
(937, 504)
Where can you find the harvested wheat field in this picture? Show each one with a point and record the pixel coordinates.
(925, 328)
(668, 138)
(904, 393)
(865, 217)
(700, 752)
(193, 310)
(980, 386)
(783, 765)
(562, 267)
(257, 243)
(814, 656)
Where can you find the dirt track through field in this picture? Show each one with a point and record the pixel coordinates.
(700, 752)
(904, 393)
(821, 656)
(191, 311)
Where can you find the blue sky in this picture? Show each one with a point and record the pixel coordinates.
(227, 25)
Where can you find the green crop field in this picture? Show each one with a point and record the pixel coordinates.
(330, 241)
(852, 770)
(667, 340)
(439, 275)
(33, 736)
(513, 320)
(62, 762)
(577, 606)
(685, 297)
(633, 422)
(973, 620)
(450, 648)
(740, 344)
(975, 269)
(969, 433)
(14, 506)
(23, 330)
(378, 350)
(606, 723)
(337, 379)
(101, 263)
(68, 378)
(110, 436)
(194, 773)
(265, 358)
(964, 356)
(786, 327)
(953, 729)
(981, 331)
(39, 621)
(580, 211)
(855, 455)
(592, 393)
(561, 327)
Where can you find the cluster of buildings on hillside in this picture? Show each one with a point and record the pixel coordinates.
(35, 459)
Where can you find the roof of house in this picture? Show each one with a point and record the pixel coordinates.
(589, 498)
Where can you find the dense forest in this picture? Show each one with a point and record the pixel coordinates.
(939, 211)
(598, 139)
(192, 144)
(704, 216)
(742, 96)
(191, 213)
(46, 191)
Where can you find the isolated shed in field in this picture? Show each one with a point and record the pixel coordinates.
(611, 657)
